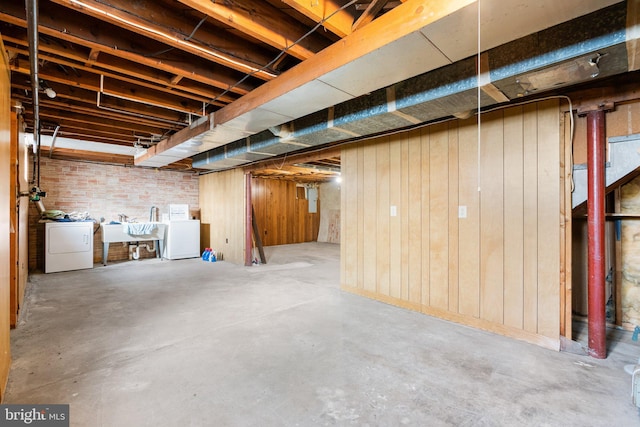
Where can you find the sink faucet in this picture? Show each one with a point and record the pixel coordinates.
(153, 214)
(123, 217)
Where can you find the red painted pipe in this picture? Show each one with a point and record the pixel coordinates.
(595, 211)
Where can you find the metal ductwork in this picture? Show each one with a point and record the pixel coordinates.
(585, 49)
(427, 72)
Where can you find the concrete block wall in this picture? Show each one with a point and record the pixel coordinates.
(106, 191)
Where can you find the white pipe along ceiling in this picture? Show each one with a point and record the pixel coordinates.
(415, 64)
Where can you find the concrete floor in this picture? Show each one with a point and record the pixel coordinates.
(189, 343)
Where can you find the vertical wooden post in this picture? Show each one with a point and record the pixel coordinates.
(595, 208)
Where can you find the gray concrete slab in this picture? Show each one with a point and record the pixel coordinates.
(189, 343)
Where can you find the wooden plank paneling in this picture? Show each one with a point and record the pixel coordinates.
(530, 218)
(382, 224)
(23, 218)
(349, 215)
(283, 217)
(453, 218)
(360, 196)
(476, 233)
(222, 203)
(415, 217)
(425, 197)
(549, 176)
(469, 227)
(514, 218)
(5, 195)
(439, 217)
(492, 218)
(14, 225)
(370, 212)
(565, 228)
(404, 218)
(395, 167)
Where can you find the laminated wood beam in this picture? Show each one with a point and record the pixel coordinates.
(340, 21)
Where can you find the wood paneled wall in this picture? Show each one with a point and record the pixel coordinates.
(282, 213)
(497, 266)
(19, 219)
(222, 213)
(6, 193)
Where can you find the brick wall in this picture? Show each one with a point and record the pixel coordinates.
(106, 191)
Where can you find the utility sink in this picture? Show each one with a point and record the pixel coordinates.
(116, 232)
(113, 233)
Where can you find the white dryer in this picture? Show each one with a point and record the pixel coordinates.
(68, 246)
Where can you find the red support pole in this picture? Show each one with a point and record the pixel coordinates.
(248, 229)
(595, 212)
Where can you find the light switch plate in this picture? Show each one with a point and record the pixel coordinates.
(394, 211)
(462, 211)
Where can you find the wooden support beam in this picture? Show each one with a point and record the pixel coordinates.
(296, 158)
(93, 57)
(340, 22)
(484, 80)
(138, 75)
(153, 31)
(369, 14)
(112, 44)
(131, 91)
(116, 68)
(159, 85)
(280, 35)
(404, 19)
(86, 104)
(256, 235)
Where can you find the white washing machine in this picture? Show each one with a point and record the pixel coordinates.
(182, 239)
(68, 246)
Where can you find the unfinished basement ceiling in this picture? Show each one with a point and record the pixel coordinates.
(186, 78)
(130, 74)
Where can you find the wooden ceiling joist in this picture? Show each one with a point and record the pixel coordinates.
(143, 95)
(340, 21)
(150, 82)
(257, 19)
(149, 28)
(124, 110)
(116, 44)
(369, 13)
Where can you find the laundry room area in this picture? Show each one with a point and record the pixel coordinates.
(141, 213)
